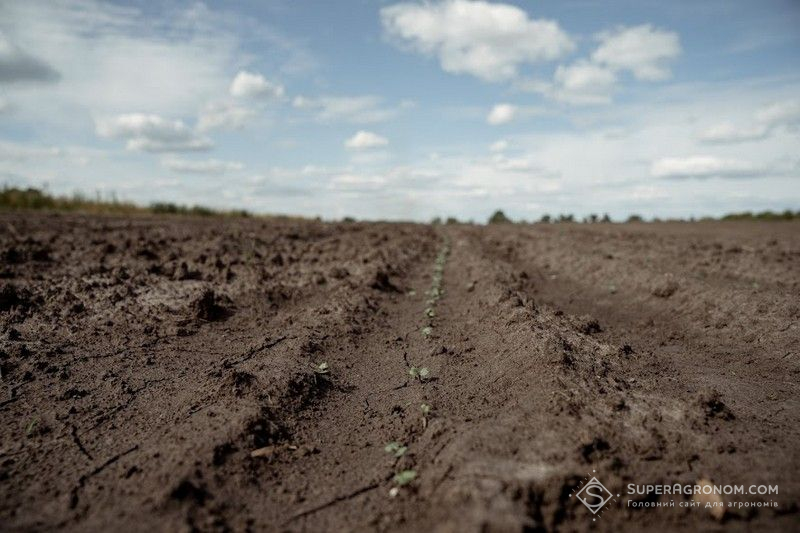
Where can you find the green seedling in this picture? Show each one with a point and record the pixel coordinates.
(405, 477)
(427, 330)
(426, 410)
(321, 371)
(430, 312)
(395, 448)
(29, 429)
(419, 373)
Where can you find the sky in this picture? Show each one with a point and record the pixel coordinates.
(407, 110)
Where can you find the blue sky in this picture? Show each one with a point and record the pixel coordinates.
(407, 110)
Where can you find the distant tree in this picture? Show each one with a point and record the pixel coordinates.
(593, 218)
(498, 218)
(605, 218)
(566, 218)
(436, 221)
(635, 218)
(545, 219)
(452, 220)
(349, 220)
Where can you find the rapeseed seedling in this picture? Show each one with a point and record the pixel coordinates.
(395, 448)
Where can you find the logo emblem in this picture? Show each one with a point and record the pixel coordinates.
(594, 495)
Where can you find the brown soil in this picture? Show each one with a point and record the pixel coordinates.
(162, 374)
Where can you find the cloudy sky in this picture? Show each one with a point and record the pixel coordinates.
(380, 109)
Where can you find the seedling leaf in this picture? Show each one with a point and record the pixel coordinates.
(395, 448)
(405, 477)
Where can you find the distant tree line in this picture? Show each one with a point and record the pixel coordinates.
(12, 198)
(499, 217)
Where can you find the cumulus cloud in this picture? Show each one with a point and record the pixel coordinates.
(151, 133)
(363, 140)
(727, 132)
(782, 114)
(499, 146)
(583, 83)
(253, 85)
(487, 40)
(701, 166)
(18, 66)
(501, 114)
(208, 166)
(163, 58)
(643, 50)
(224, 115)
(354, 109)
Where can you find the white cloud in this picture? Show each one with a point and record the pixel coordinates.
(19, 66)
(224, 115)
(784, 113)
(114, 58)
(583, 83)
(354, 109)
(643, 50)
(208, 166)
(364, 140)
(727, 132)
(22, 152)
(501, 114)
(151, 133)
(781, 114)
(252, 85)
(499, 146)
(5, 105)
(511, 164)
(487, 40)
(701, 166)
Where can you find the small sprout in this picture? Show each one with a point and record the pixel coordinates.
(430, 312)
(427, 330)
(405, 477)
(29, 429)
(321, 371)
(421, 373)
(394, 491)
(426, 409)
(412, 292)
(395, 448)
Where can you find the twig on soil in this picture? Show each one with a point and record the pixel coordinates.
(76, 439)
(10, 400)
(255, 351)
(332, 502)
(73, 502)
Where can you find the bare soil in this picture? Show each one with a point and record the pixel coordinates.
(163, 374)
